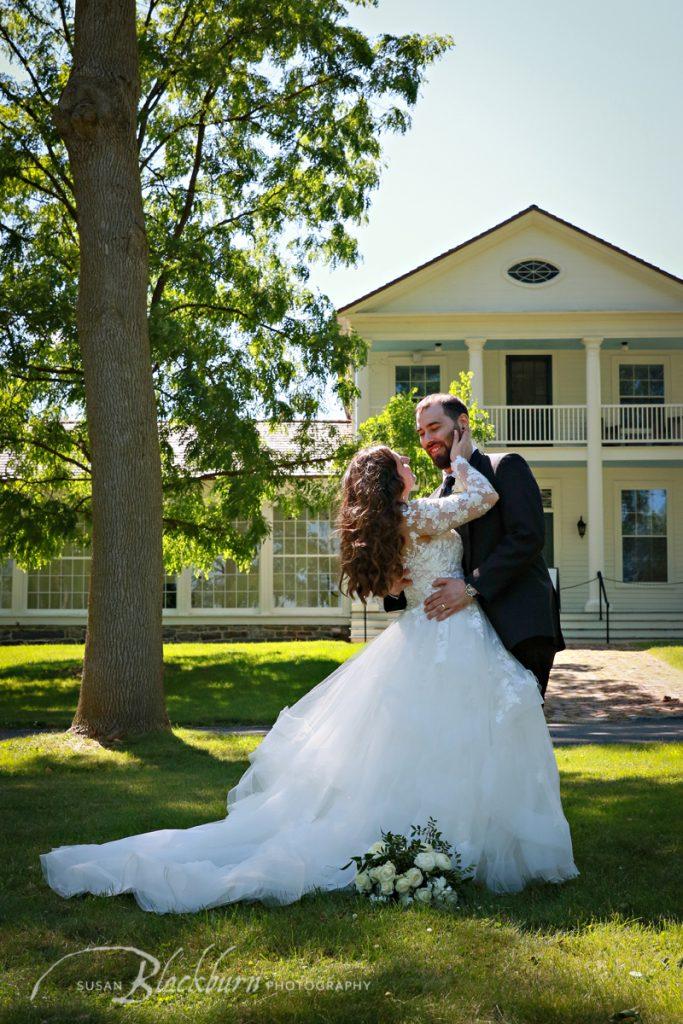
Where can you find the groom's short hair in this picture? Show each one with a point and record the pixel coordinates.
(451, 405)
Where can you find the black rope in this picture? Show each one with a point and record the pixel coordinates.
(609, 579)
(574, 585)
(678, 583)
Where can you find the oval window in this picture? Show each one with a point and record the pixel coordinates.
(533, 271)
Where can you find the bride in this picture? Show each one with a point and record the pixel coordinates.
(433, 718)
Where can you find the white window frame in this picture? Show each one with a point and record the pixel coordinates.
(426, 360)
(341, 609)
(554, 485)
(60, 612)
(620, 358)
(642, 485)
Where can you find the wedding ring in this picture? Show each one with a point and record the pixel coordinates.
(443, 606)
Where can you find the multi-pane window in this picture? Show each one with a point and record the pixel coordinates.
(549, 521)
(305, 561)
(533, 271)
(5, 585)
(427, 379)
(641, 384)
(63, 583)
(226, 586)
(170, 592)
(643, 536)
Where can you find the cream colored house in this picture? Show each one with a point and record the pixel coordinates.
(577, 352)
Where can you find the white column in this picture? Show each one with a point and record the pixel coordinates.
(19, 589)
(476, 350)
(184, 591)
(595, 531)
(266, 597)
(361, 406)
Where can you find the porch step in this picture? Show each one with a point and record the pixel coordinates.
(633, 626)
(625, 626)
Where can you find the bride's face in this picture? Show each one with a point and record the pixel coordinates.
(405, 472)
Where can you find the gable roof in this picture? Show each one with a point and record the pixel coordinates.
(510, 220)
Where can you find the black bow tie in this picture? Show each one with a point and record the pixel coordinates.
(447, 487)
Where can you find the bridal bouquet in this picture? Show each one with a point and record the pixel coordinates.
(421, 870)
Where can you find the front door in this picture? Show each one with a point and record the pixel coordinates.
(529, 382)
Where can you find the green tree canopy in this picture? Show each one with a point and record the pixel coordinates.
(395, 426)
(259, 137)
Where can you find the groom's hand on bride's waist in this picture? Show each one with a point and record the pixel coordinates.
(449, 597)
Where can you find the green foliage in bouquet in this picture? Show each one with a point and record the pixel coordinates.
(423, 869)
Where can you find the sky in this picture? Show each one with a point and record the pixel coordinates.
(574, 105)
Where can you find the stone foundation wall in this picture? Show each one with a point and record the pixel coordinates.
(199, 633)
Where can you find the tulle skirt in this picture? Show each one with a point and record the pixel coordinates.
(430, 719)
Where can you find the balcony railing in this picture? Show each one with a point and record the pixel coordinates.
(642, 424)
(557, 425)
(539, 424)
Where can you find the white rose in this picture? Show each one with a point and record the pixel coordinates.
(377, 848)
(374, 873)
(426, 860)
(403, 884)
(443, 861)
(363, 881)
(387, 888)
(439, 883)
(414, 876)
(386, 872)
(423, 895)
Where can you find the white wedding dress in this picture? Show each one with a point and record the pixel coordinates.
(430, 719)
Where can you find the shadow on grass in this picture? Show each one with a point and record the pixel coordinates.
(624, 830)
(200, 689)
(529, 954)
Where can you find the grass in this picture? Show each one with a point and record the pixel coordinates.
(550, 955)
(206, 684)
(672, 653)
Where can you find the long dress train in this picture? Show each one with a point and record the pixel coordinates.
(430, 719)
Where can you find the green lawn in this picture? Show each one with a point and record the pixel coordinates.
(673, 654)
(551, 955)
(206, 684)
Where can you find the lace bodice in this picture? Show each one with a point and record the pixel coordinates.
(434, 548)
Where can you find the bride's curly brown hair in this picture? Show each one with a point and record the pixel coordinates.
(370, 523)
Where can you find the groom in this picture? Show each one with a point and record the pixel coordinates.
(504, 567)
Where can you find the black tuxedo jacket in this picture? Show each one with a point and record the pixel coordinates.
(505, 545)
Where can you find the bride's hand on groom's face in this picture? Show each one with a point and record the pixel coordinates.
(449, 597)
(462, 443)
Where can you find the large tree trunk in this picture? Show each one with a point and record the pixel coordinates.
(122, 685)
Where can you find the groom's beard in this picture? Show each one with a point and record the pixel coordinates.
(442, 456)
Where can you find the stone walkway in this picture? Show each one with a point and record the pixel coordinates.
(595, 682)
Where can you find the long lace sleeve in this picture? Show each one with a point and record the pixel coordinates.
(434, 515)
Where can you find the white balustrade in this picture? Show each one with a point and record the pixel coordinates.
(642, 424)
(518, 425)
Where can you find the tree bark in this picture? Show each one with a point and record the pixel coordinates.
(122, 686)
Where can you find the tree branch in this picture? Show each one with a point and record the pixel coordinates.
(190, 195)
(71, 210)
(24, 61)
(22, 103)
(45, 447)
(67, 34)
